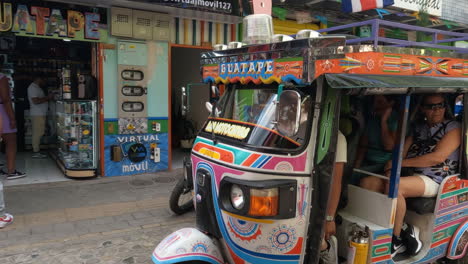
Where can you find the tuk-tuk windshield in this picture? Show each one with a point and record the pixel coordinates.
(247, 115)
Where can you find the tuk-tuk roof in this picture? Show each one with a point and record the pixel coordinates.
(300, 62)
(343, 81)
(303, 61)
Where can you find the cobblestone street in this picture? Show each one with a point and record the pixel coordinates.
(112, 220)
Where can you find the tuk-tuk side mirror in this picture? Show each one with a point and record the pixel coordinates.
(210, 107)
(288, 113)
(214, 94)
(185, 105)
(212, 104)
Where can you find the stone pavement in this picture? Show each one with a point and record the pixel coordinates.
(108, 220)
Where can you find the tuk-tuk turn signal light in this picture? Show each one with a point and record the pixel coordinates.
(263, 202)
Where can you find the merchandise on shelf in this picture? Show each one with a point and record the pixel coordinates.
(76, 135)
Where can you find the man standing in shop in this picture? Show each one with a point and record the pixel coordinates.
(39, 105)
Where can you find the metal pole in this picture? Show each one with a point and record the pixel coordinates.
(398, 150)
(375, 32)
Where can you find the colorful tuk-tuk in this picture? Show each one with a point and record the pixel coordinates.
(262, 165)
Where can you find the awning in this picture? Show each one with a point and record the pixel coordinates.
(343, 81)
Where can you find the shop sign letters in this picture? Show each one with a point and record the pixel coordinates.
(432, 7)
(43, 21)
(229, 7)
(247, 70)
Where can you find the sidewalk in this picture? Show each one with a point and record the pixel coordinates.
(108, 220)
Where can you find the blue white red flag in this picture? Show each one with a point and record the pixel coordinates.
(351, 6)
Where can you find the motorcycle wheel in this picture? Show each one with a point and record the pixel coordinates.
(181, 200)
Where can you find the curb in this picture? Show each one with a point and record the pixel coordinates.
(95, 180)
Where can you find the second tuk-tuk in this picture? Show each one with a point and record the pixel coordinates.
(262, 165)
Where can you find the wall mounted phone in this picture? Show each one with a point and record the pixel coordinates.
(133, 79)
(132, 91)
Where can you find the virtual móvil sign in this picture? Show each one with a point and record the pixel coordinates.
(137, 153)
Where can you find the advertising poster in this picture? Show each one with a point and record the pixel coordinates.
(136, 154)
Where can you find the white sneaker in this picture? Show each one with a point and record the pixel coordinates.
(330, 255)
(6, 220)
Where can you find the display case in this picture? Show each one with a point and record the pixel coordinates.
(76, 123)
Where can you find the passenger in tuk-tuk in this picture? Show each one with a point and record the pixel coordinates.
(329, 247)
(431, 151)
(329, 250)
(376, 145)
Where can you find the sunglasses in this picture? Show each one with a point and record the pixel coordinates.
(435, 106)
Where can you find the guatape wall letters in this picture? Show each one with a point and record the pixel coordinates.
(38, 21)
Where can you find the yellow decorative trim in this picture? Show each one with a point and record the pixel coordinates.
(263, 221)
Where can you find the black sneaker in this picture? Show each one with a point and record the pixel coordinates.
(15, 175)
(397, 246)
(410, 236)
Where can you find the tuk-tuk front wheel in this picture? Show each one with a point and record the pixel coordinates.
(181, 200)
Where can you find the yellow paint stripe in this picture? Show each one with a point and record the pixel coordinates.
(186, 32)
(263, 221)
(218, 33)
(210, 153)
(382, 237)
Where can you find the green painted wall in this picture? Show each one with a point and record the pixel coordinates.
(110, 81)
(158, 85)
(158, 82)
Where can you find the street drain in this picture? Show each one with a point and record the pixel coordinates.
(139, 182)
(164, 179)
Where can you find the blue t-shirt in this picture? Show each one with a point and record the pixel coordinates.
(376, 153)
(425, 140)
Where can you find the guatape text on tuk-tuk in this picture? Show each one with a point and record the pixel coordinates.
(264, 164)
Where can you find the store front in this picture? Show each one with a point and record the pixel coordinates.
(115, 74)
(58, 44)
(191, 37)
(151, 135)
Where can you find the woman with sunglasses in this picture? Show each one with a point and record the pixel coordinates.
(432, 150)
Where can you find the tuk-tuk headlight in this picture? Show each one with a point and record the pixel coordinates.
(271, 199)
(237, 197)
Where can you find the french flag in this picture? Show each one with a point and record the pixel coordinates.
(352, 6)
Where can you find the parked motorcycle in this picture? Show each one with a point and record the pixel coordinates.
(181, 200)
